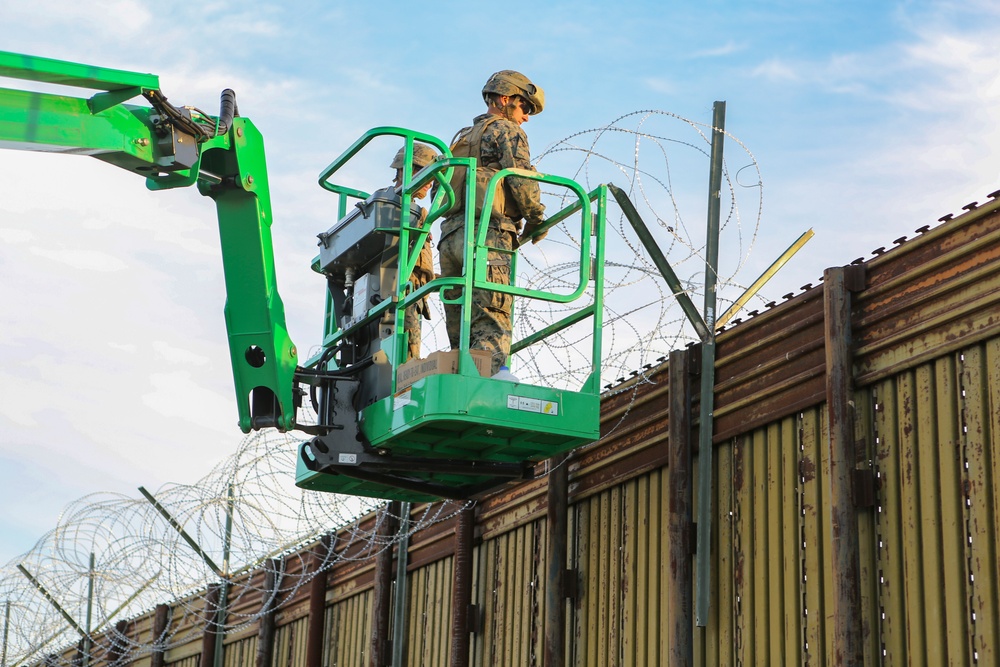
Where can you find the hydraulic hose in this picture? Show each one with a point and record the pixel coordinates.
(182, 120)
(227, 111)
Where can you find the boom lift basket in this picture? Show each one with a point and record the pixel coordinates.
(445, 434)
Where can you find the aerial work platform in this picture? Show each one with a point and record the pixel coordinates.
(447, 434)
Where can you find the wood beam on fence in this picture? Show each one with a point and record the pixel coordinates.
(462, 587)
(160, 617)
(317, 600)
(382, 605)
(118, 644)
(555, 580)
(847, 643)
(680, 622)
(266, 627)
(211, 634)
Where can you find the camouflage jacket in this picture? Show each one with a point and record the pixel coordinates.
(505, 144)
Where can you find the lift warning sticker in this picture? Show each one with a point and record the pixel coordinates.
(532, 405)
(402, 399)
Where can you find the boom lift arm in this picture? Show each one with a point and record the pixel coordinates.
(378, 432)
(176, 147)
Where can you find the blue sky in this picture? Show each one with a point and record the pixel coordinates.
(868, 120)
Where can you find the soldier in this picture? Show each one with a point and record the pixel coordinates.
(498, 142)
(423, 272)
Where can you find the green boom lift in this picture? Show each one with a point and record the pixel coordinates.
(451, 433)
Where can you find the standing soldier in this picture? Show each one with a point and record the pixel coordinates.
(497, 141)
(423, 272)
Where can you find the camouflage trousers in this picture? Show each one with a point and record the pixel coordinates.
(491, 311)
(412, 319)
(414, 315)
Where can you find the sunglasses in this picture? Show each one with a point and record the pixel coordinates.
(526, 106)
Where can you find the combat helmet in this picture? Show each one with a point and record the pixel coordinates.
(509, 82)
(423, 155)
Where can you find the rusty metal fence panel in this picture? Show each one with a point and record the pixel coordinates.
(936, 429)
(429, 614)
(241, 653)
(507, 592)
(774, 545)
(926, 490)
(191, 661)
(290, 642)
(348, 633)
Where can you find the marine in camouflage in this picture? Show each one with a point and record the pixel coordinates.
(504, 144)
(422, 274)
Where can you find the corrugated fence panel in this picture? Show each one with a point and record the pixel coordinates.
(429, 614)
(241, 653)
(815, 540)
(190, 661)
(509, 590)
(980, 382)
(716, 645)
(925, 583)
(767, 525)
(867, 528)
(348, 632)
(589, 624)
(290, 643)
(619, 556)
(648, 575)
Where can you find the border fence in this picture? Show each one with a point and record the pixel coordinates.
(855, 509)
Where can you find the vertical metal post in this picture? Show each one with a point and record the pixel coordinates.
(157, 659)
(6, 633)
(399, 628)
(118, 644)
(555, 582)
(220, 646)
(707, 408)
(848, 639)
(317, 602)
(269, 608)
(87, 642)
(680, 626)
(211, 636)
(462, 587)
(382, 605)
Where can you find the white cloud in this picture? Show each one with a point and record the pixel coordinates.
(16, 236)
(175, 355)
(659, 84)
(778, 70)
(726, 49)
(178, 396)
(82, 259)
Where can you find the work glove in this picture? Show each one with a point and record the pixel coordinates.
(529, 229)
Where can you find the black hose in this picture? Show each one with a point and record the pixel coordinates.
(200, 130)
(227, 111)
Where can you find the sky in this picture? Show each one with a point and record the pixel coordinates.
(867, 121)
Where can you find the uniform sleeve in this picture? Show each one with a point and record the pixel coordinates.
(512, 145)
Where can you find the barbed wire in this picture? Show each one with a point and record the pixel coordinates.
(246, 512)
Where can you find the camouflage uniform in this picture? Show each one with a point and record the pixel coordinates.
(504, 144)
(422, 274)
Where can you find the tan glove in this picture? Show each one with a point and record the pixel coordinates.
(529, 229)
(423, 272)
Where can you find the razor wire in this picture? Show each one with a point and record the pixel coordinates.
(246, 514)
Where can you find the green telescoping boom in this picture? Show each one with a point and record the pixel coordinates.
(175, 147)
(376, 433)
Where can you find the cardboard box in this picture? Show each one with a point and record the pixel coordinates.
(439, 362)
